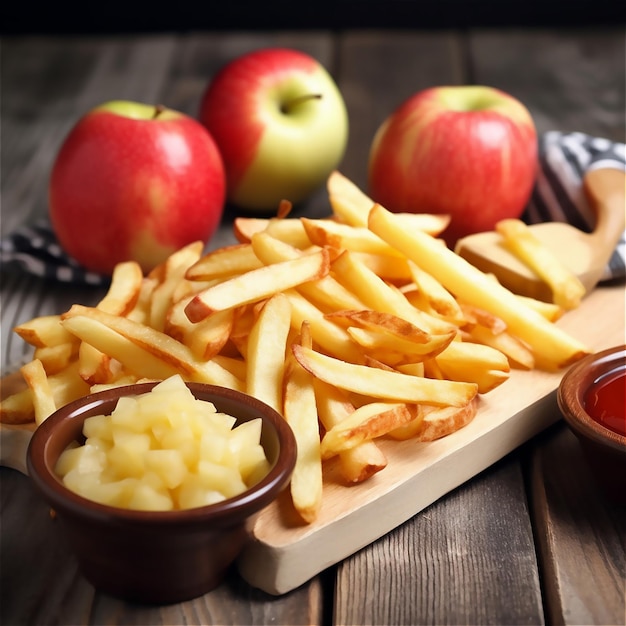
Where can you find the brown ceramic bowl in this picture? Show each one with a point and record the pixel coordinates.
(166, 556)
(604, 448)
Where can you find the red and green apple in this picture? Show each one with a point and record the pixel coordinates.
(466, 151)
(280, 123)
(133, 181)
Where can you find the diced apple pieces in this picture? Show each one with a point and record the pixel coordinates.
(164, 450)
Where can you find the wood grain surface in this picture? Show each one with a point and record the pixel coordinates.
(527, 541)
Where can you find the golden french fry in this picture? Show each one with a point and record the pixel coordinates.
(325, 291)
(361, 461)
(329, 336)
(394, 349)
(475, 315)
(223, 262)
(17, 408)
(345, 237)
(95, 367)
(44, 331)
(440, 301)
(171, 274)
(552, 312)
(267, 346)
(380, 296)
(259, 284)
(379, 383)
(551, 344)
(288, 230)
(37, 380)
(567, 290)
(412, 428)
(141, 311)
(143, 350)
(56, 358)
(300, 411)
(440, 422)
(394, 269)
(205, 338)
(352, 206)
(515, 350)
(474, 362)
(366, 423)
(124, 290)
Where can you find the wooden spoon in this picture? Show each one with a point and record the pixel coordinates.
(584, 254)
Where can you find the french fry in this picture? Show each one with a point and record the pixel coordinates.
(345, 237)
(37, 380)
(567, 290)
(551, 344)
(171, 274)
(205, 338)
(95, 367)
(257, 284)
(412, 428)
(516, 351)
(439, 300)
(224, 262)
(143, 350)
(329, 336)
(44, 331)
(267, 346)
(124, 290)
(327, 291)
(394, 269)
(56, 358)
(378, 383)
(300, 411)
(438, 422)
(394, 349)
(351, 205)
(18, 408)
(288, 230)
(366, 423)
(378, 295)
(474, 363)
(361, 461)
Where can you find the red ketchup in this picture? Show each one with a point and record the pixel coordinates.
(606, 400)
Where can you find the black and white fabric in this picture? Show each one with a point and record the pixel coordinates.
(34, 249)
(557, 196)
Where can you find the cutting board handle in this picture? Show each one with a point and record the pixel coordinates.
(606, 192)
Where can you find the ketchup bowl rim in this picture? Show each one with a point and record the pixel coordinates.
(575, 384)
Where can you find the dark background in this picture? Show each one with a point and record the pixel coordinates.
(18, 17)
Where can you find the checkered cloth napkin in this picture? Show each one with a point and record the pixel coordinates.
(557, 196)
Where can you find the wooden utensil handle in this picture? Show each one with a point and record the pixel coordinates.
(606, 192)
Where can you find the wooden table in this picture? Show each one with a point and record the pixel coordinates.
(529, 540)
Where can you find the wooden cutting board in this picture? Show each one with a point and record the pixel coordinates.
(283, 553)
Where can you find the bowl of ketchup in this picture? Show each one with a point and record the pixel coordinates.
(592, 398)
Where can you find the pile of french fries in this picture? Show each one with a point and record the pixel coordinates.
(354, 327)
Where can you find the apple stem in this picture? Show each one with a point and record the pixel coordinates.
(158, 109)
(294, 102)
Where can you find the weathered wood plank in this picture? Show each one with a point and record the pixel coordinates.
(464, 560)
(581, 536)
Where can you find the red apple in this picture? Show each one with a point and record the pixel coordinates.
(280, 123)
(136, 182)
(468, 151)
